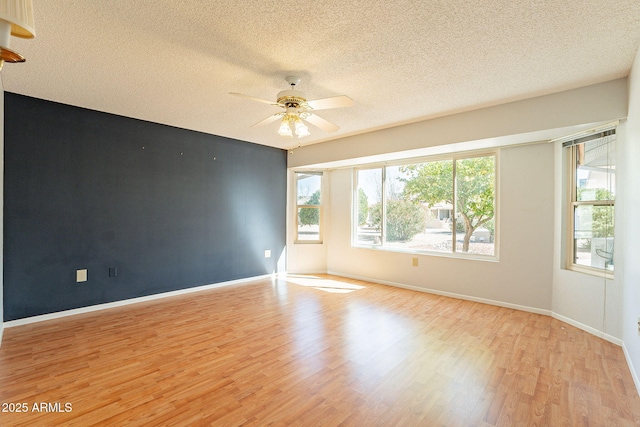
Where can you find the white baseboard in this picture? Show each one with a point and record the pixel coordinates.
(92, 308)
(589, 329)
(98, 307)
(449, 294)
(586, 328)
(634, 374)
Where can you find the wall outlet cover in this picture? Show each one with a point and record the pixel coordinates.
(81, 275)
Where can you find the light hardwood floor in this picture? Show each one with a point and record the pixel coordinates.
(312, 351)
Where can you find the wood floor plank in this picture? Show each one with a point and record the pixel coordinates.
(292, 351)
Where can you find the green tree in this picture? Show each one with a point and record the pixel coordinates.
(363, 207)
(405, 219)
(601, 216)
(310, 216)
(602, 225)
(432, 183)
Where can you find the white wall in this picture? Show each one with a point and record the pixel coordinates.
(528, 273)
(305, 257)
(521, 278)
(589, 302)
(628, 225)
(539, 118)
(609, 308)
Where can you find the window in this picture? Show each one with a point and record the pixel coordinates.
(308, 207)
(369, 207)
(591, 202)
(441, 205)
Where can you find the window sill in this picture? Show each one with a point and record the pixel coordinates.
(598, 272)
(457, 255)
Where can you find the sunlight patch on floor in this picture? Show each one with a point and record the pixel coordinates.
(322, 284)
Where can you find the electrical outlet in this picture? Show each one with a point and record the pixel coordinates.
(81, 275)
(267, 253)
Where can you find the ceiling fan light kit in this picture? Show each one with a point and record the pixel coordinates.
(292, 120)
(298, 110)
(285, 128)
(16, 19)
(301, 129)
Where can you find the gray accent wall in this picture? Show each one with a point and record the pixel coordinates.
(144, 208)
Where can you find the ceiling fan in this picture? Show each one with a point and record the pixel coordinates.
(297, 110)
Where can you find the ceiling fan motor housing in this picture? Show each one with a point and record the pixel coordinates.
(292, 98)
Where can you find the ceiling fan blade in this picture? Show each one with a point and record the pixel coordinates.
(268, 120)
(253, 98)
(323, 124)
(333, 102)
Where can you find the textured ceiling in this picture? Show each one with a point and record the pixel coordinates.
(175, 62)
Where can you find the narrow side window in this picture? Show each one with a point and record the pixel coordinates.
(368, 203)
(591, 206)
(308, 207)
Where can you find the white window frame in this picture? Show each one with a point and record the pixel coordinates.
(297, 240)
(570, 143)
(355, 205)
(453, 157)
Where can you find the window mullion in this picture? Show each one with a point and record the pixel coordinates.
(383, 198)
(454, 208)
